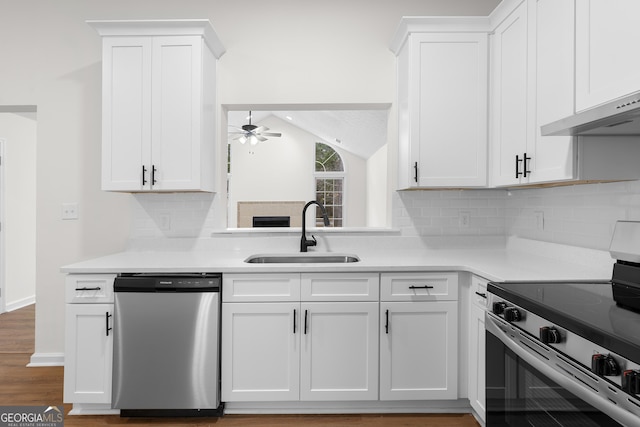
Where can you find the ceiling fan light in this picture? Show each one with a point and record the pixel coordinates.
(242, 139)
(253, 140)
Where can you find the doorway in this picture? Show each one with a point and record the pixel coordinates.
(17, 207)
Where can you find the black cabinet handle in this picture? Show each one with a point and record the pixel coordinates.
(421, 287)
(144, 175)
(107, 316)
(518, 160)
(305, 321)
(526, 165)
(415, 172)
(153, 175)
(386, 325)
(294, 320)
(481, 294)
(97, 288)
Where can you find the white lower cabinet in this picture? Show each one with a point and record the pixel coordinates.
(88, 339)
(476, 366)
(418, 350)
(317, 349)
(339, 351)
(260, 351)
(419, 336)
(88, 356)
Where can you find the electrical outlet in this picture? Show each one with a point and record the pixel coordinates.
(165, 222)
(539, 220)
(464, 219)
(70, 210)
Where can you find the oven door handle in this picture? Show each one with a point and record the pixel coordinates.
(601, 403)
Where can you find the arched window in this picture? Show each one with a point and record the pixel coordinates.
(329, 184)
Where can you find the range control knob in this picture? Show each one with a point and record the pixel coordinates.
(498, 307)
(550, 335)
(512, 314)
(604, 365)
(631, 381)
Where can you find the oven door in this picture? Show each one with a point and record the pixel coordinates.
(530, 384)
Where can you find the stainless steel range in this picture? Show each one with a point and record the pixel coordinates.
(567, 353)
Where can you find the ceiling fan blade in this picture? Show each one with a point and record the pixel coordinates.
(274, 134)
(260, 129)
(261, 138)
(237, 133)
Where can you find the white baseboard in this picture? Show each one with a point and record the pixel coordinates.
(15, 305)
(93, 409)
(46, 359)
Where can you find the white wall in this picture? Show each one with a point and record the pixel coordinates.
(280, 169)
(377, 178)
(19, 225)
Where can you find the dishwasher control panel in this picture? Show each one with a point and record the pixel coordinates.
(168, 283)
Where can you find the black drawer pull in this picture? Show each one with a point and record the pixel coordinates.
(107, 316)
(421, 287)
(144, 175)
(386, 325)
(480, 294)
(97, 288)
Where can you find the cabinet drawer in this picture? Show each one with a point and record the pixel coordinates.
(479, 291)
(260, 287)
(89, 288)
(419, 286)
(340, 287)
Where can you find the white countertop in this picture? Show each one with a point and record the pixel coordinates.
(491, 258)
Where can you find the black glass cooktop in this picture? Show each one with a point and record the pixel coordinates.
(585, 308)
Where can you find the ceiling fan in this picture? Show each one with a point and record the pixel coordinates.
(253, 133)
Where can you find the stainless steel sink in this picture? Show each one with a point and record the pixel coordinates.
(309, 258)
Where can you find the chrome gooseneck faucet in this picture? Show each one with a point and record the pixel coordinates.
(304, 242)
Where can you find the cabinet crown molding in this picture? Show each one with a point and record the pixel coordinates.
(161, 27)
(437, 24)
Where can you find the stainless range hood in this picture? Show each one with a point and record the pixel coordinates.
(619, 117)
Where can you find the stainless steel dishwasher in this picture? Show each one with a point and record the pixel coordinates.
(166, 345)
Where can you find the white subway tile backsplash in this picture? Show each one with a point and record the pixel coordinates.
(578, 215)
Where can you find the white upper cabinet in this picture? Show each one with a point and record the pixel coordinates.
(532, 75)
(607, 40)
(442, 106)
(553, 158)
(159, 102)
(510, 99)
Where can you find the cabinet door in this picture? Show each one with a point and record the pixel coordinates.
(509, 97)
(126, 113)
(419, 350)
(339, 351)
(553, 158)
(606, 41)
(477, 361)
(176, 127)
(449, 109)
(88, 353)
(260, 351)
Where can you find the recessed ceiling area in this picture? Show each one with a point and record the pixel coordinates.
(359, 131)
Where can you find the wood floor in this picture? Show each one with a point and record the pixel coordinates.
(24, 386)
